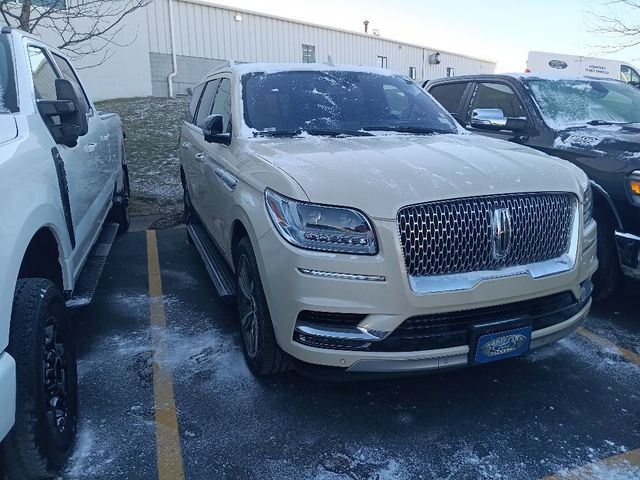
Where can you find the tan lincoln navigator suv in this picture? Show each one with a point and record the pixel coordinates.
(362, 230)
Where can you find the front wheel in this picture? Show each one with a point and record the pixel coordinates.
(607, 277)
(46, 392)
(120, 211)
(261, 350)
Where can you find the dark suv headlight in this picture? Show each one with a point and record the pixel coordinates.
(320, 227)
(587, 206)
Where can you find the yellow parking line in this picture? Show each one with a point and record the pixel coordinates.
(603, 342)
(169, 455)
(625, 463)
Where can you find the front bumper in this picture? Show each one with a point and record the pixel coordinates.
(629, 253)
(7, 393)
(377, 288)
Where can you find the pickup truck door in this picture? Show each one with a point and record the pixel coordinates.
(86, 165)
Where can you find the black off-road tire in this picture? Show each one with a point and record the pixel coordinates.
(36, 449)
(607, 277)
(120, 212)
(268, 357)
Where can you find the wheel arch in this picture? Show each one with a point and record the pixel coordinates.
(602, 200)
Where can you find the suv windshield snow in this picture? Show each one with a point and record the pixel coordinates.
(570, 103)
(339, 103)
(8, 100)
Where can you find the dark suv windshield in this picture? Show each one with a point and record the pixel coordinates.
(8, 100)
(569, 103)
(339, 102)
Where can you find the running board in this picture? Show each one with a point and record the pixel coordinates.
(221, 275)
(87, 282)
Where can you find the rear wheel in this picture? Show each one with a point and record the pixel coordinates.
(607, 277)
(261, 350)
(120, 210)
(46, 392)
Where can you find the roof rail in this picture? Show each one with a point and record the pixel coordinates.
(6, 29)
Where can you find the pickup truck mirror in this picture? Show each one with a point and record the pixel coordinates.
(71, 108)
(213, 130)
(495, 120)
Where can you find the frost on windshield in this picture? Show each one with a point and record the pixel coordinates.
(570, 103)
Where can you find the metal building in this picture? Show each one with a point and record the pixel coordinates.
(177, 41)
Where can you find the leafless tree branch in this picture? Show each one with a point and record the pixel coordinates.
(617, 24)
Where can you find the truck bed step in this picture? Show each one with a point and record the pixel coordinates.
(88, 281)
(221, 275)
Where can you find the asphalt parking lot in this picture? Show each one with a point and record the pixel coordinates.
(165, 394)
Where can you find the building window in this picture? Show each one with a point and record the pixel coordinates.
(308, 53)
(412, 73)
(451, 72)
(382, 61)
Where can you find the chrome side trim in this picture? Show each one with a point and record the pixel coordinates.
(466, 281)
(227, 179)
(347, 333)
(342, 276)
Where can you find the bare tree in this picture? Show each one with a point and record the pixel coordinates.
(618, 24)
(82, 27)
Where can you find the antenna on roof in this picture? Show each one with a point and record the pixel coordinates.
(330, 61)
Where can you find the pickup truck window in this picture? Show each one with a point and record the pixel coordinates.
(69, 74)
(8, 99)
(339, 102)
(43, 73)
(449, 95)
(497, 95)
(566, 103)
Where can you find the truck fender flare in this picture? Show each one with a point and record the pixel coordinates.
(603, 196)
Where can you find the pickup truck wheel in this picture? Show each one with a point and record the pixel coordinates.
(261, 350)
(607, 277)
(120, 211)
(40, 341)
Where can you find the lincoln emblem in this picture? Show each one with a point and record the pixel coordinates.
(502, 229)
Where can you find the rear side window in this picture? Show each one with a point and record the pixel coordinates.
(206, 104)
(43, 73)
(449, 95)
(195, 100)
(69, 74)
(497, 95)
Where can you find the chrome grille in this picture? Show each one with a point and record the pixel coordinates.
(456, 236)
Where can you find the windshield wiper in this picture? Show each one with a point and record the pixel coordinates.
(312, 131)
(407, 129)
(603, 122)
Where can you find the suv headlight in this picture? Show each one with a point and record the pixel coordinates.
(634, 187)
(587, 206)
(320, 227)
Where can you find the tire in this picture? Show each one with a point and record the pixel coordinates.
(189, 216)
(607, 277)
(261, 350)
(120, 212)
(42, 438)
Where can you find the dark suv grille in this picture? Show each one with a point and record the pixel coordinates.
(456, 236)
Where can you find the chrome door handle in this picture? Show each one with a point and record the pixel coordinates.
(90, 147)
(186, 145)
(200, 156)
(227, 179)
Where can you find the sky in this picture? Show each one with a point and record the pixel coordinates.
(501, 30)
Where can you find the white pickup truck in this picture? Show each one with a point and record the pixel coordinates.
(65, 191)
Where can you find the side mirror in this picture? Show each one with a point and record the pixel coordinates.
(495, 120)
(71, 109)
(213, 130)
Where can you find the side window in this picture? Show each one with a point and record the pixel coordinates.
(43, 73)
(204, 109)
(497, 95)
(69, 74)
(629, 75)
(449, 95)
(222, 104)
(195, 100)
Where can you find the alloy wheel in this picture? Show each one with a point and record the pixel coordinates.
(247, 307)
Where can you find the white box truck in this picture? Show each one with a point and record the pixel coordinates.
(541, 62)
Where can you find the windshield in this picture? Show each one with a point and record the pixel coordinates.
(8, 100)
(339, 103)
(567, 103)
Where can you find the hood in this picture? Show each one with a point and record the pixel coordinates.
(380, 175)
(8, 128)
(621, 142)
